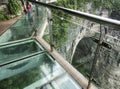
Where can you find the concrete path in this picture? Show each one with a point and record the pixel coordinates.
(4, 25)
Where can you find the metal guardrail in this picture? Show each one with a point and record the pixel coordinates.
(91, 17)
(98, 19)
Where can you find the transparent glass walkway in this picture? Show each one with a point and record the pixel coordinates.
(25, 64)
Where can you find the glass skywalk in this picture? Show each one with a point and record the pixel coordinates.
(17, 50)
(24, 63)
(39, 71)
(24, 27)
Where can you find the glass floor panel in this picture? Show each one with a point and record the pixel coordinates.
(17, 50)
(20, 30)
(24, 28)
(66, 82)
(28, 71)
(37, 72)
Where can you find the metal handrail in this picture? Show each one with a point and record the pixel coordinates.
(91, 17)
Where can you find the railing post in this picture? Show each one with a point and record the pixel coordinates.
(50, 22)
(36, 8)
(51, 35)
(97, 53)
(35, 31)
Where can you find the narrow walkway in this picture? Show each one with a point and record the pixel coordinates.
(6, 24)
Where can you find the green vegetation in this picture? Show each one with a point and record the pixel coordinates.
(73, 4)
(14, 7)
(60, 26)
(113, 5)
(3, 16)
(25, 78)
(20, 81)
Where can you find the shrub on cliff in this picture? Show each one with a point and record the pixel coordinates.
(13, 7)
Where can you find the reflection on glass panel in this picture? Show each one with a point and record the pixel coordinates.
(61, 81)
(24, 73)
(37, 72)
(18, 50)
(65, 30)
(66, 82)
(107, 59)
(25, 26)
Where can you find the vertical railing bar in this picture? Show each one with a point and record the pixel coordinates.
(97, 53)
(51, 35)
(50, 22)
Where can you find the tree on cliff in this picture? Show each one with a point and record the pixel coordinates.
(113, 5)
(13, 7)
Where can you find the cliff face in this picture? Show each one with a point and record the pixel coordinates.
(107, 70)
(79, 49)
(74, 35)
(78, 29)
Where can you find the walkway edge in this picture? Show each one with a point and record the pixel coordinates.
(68, 67)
